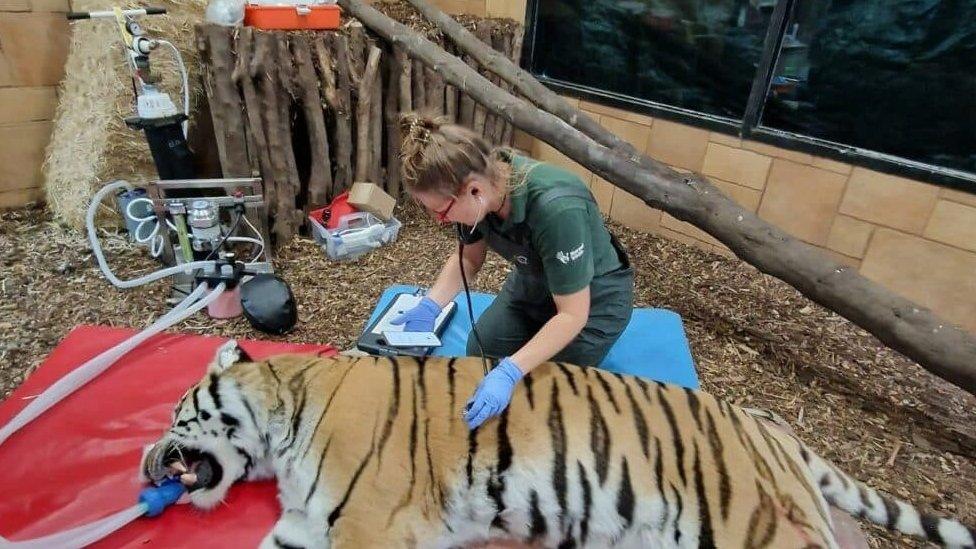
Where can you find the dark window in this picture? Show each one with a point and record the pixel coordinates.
(892, 76)
(694, 55)
(847, 79)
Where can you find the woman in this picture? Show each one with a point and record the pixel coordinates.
(570, 294)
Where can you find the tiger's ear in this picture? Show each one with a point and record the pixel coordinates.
(228, 354)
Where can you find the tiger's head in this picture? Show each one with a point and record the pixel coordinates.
(214, 439)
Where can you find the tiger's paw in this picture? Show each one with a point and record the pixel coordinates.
(294, 530)
(228, 354)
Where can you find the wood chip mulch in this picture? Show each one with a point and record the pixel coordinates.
(756, 340)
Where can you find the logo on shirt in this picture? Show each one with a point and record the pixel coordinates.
(573, 254)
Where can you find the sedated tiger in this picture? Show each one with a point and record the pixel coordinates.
(373, 452)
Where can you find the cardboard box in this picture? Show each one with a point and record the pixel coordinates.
(368, 197)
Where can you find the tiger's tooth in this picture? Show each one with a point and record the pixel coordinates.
(188, 479)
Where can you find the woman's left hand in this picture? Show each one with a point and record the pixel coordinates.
(493, 393)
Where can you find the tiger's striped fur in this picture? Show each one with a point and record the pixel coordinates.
(373, 452)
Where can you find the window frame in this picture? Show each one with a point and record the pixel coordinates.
(749, 127)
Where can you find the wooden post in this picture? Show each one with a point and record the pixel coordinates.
(363, 147)
(519, 35)
(419, 87)
(246, 71)
(406, 79)
(215, 45)
(391, 117)
(435, 92)
(376, 123)
(286, 96)
(265, 60)
(334, 67)
(466, 105)
(450, 98)
(320, 173)
(480, 112)
(503, 43)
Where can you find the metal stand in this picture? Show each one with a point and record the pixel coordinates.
(171, 197)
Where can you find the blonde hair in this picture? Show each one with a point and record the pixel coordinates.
(438, 156)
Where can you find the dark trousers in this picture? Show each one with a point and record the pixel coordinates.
(525, 304)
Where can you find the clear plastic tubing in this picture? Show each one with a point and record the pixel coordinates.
(97, 249)
(89, 370)
(83, 535)
(89, 533)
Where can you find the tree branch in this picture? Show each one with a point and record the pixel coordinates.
(946, 351)
(524, 83)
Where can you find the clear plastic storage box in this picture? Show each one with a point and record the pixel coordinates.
(356, 234)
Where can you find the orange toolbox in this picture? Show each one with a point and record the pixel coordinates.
(292, 16)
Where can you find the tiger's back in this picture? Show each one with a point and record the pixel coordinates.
(374, 452)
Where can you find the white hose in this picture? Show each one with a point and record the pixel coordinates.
(153, 239)
(97, 249)
(89, 533)
(258, 242)
(260, 238)
(87, 371)
(80, 536)
(186, 87)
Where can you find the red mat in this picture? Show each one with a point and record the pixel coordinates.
(78, 462)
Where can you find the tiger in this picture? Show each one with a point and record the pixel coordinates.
(373, 452)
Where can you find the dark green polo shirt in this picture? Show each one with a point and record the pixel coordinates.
(567, 233)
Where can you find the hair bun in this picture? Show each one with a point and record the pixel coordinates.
(436, 154)
(419, 126)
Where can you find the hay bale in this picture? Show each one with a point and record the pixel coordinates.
(90, 144)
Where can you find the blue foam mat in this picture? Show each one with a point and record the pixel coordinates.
(653, 346)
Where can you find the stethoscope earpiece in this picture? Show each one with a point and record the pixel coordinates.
(481, 210)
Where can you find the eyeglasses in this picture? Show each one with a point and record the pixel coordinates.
(441, 215)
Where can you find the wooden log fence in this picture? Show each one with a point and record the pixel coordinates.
(311, 112)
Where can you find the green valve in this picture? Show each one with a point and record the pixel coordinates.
(184, 240)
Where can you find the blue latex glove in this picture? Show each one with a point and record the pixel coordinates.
(493, 393)
(419, 319)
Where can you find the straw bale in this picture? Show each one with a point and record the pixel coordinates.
(91, 144)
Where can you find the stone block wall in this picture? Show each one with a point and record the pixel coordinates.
(912, 237)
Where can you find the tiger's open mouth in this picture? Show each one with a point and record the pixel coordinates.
(201, 464)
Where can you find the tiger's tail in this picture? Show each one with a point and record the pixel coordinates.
(860, 500)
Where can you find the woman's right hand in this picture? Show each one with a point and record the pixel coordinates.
(420, 318)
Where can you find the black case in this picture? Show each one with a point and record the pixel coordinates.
(374, 344)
